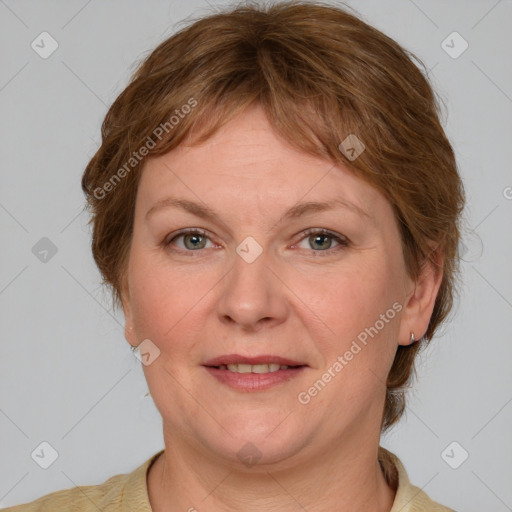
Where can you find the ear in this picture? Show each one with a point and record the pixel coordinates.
(420, 301)
(129, 325)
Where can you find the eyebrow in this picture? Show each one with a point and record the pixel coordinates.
(296, 211)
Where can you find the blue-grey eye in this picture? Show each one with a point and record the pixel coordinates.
(194, 238)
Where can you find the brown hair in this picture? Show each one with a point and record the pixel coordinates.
(320, 74)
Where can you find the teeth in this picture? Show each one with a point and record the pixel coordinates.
(255, 368)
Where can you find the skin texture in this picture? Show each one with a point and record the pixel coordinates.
(304, 297)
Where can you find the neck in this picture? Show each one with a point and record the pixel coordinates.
(348, 478)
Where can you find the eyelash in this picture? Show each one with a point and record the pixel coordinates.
(342, 241)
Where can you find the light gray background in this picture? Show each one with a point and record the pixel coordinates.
(67, 375)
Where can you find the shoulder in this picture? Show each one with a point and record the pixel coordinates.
(408, 498)
(127, 491)
(81, 498)
(89, 498)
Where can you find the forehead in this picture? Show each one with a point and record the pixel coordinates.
(246, 163)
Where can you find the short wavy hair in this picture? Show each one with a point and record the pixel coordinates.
(321, 74)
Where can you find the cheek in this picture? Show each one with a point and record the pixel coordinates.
(359, 308)
(356, 296)
(357, 337)
(166, 301)
(153, 296)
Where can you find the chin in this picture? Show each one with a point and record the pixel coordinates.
(256, 442)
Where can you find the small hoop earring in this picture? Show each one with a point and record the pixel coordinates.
(413, 339)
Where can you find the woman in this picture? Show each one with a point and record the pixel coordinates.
(242, 142)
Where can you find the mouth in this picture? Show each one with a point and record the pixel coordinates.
(255, 368)
(261, 364)
(252, 374)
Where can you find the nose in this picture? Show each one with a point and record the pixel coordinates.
(253, 294)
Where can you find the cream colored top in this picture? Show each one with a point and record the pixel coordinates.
(129, 492)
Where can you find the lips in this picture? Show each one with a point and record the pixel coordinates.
(255, 378)
(262, 359)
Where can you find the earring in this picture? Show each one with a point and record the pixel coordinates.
(413, 339)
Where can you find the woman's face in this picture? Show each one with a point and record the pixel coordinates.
(250, 281)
